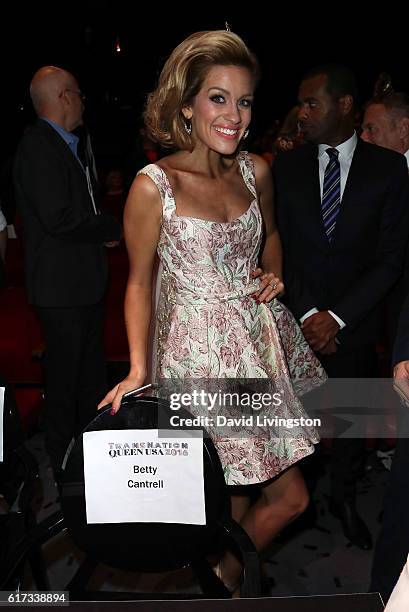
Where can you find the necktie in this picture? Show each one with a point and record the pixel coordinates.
(331, 193)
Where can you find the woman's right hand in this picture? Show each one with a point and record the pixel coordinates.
(116, 394)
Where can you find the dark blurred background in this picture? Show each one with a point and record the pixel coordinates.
(116, 50)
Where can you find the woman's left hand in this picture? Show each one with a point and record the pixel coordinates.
(270, 286)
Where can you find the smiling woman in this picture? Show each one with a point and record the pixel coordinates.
(207, 212)
(182, 78)
(221, 112)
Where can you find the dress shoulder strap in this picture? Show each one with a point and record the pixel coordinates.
(247, 170)
(158, 176)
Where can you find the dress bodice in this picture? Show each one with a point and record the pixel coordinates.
(208, 261)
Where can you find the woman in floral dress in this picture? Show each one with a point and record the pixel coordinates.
(207, 212)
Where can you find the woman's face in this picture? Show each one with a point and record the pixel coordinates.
(221, 111)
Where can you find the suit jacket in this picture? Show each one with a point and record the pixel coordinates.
(2, 273)
(351, 274)
(401, 346)
(65, 259)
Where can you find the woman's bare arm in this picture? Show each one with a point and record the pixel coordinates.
(142, 222)
(271, 256)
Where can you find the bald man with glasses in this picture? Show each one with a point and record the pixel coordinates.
(66, 268)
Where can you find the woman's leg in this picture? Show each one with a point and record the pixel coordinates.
(281, 501)
(240, 504)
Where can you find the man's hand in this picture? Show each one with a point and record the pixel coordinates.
(401, 380)
(330, 348)
(319, 329)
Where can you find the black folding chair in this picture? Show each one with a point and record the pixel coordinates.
(151, 547)
(18, 480)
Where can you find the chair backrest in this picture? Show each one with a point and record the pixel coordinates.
(18, 470)
(11, 427)
(143, 546)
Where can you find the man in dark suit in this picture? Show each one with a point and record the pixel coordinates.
(66, 269)
(386, 122)
(343, 216)
(392, 546)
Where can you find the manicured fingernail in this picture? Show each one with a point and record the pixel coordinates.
(112, 412)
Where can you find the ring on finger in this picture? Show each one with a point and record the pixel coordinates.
(273, 285)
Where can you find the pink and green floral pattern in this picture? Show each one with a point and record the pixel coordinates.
(209, 327)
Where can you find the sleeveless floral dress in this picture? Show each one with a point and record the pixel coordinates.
(207, 326)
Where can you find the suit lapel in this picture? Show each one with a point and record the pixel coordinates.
(311, 194)
(52, 134)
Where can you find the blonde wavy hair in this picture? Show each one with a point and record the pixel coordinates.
(181, 80)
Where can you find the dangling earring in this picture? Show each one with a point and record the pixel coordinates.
(188, 125)
(245, 133)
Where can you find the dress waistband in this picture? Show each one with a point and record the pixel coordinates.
(185, 297)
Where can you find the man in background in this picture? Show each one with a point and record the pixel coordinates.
(386, 122)
(66, 269)
(343, 209)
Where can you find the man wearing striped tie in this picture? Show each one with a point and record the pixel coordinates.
(343, 215)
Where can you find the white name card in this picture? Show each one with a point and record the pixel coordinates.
(1, 422)
(137, 476)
